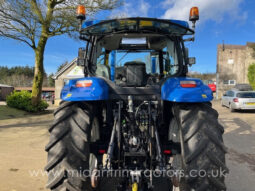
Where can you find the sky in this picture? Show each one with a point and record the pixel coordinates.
(231, 21)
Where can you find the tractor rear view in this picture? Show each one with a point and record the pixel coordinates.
(135, 121)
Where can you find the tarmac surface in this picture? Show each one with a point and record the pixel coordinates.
(239, 137)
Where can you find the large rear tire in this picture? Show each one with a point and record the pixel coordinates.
(196, 128)
(68, 148)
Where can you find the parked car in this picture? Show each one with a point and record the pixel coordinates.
(239, 100)
(210, 84)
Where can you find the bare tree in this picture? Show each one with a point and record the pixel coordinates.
(33, 22)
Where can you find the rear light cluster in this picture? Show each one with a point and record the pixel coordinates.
(83, 83)
(167, 152)
(101, 151)
(235, 100)
(188, 84)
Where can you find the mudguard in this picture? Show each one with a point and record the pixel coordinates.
(171, 90)
(99, 90)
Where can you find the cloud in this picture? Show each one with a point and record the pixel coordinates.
(144, 8)
(209, 9)
(132, 9)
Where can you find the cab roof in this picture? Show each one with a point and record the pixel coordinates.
(136, 25)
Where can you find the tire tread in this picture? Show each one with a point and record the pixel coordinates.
(203, 145)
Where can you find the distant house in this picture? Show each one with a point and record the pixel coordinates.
(232, 65)
(45, 90)
(5, 90)
(69, 71)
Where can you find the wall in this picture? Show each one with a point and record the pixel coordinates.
(232, 64)
(59, 83)
(5, 91)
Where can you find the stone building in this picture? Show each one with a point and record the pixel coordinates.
(69, 71)
(232, 65)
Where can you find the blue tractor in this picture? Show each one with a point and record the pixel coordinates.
(135, 121)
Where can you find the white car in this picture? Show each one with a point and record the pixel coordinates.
(239, 100)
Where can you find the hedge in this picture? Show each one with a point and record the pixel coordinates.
(23, 100)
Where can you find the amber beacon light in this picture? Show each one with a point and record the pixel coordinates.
(194, 14)
(81, 12)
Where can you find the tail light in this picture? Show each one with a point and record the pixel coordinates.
(235, 100)
(101, 151)
(167, 152)
(188, 84)
(83, 83)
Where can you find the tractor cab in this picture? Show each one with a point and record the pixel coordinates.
(141, 57)
(134, 51)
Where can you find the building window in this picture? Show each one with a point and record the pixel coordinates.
(230, 61)
(229, 82)
(225, 82)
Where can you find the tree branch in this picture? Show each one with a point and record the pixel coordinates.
(16, 38)
(37, 10)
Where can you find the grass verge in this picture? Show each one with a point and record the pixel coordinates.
(9, 113)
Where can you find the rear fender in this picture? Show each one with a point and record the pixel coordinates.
(171, 90)
(99, 90)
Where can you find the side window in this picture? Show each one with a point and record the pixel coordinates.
(100, 55)
(170, 61)
(227, 93)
